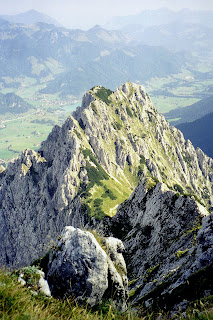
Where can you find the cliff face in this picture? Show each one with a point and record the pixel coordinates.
(168, 240)
(90, 165)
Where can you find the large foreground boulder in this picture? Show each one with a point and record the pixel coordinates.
(79, 267)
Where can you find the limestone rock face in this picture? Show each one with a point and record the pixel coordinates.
(34, 195)
(103, 150)
(204, 253)
(168, 238)
(79, 267)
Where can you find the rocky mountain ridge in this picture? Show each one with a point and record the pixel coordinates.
(30, 17)
(69, 62)
(162, 16)
(169, 246)
(90, 165)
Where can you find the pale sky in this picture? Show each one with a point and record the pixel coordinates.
(87, 13)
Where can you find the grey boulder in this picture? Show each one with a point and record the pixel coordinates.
(80, 268)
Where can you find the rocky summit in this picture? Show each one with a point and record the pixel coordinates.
(115, 165)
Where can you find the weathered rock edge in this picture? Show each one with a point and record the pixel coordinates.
(168, 241)
(79, 267)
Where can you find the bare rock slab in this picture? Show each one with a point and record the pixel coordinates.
(79, 267)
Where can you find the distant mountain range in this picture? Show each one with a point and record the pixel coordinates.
(30, 17)
(191, 113)
(71, 61)
(185, 30)
(175, 36)
(200, 132)
(81, 58)
(149, 18)
(138, 63)
(28, 50)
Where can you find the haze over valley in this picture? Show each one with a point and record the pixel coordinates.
(50, 67)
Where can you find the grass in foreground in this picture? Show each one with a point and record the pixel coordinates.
(18, 303)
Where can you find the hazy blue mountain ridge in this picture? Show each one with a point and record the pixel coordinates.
(30, 17)
(191, 113)
(47, 41)
(200, 132)
(186, 30)
(148, 18)
(176, 36)
(138, 63)
(81, 58)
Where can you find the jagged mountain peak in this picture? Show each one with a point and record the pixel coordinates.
(97, 27)
(115, 165)
(101, 95)
(128, 117)
(89, 166)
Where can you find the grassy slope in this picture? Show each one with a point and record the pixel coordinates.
(104, 193)
(18, 303)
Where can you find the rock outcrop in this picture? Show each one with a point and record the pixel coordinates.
(169, 241)
(34, 279)
(90, 165)
(79, 267)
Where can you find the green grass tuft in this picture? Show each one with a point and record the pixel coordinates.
(18, 303)
(181, 253)
(117, 125)
(129, 112)
(104, 94)
(95, 171)
(178, 188)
